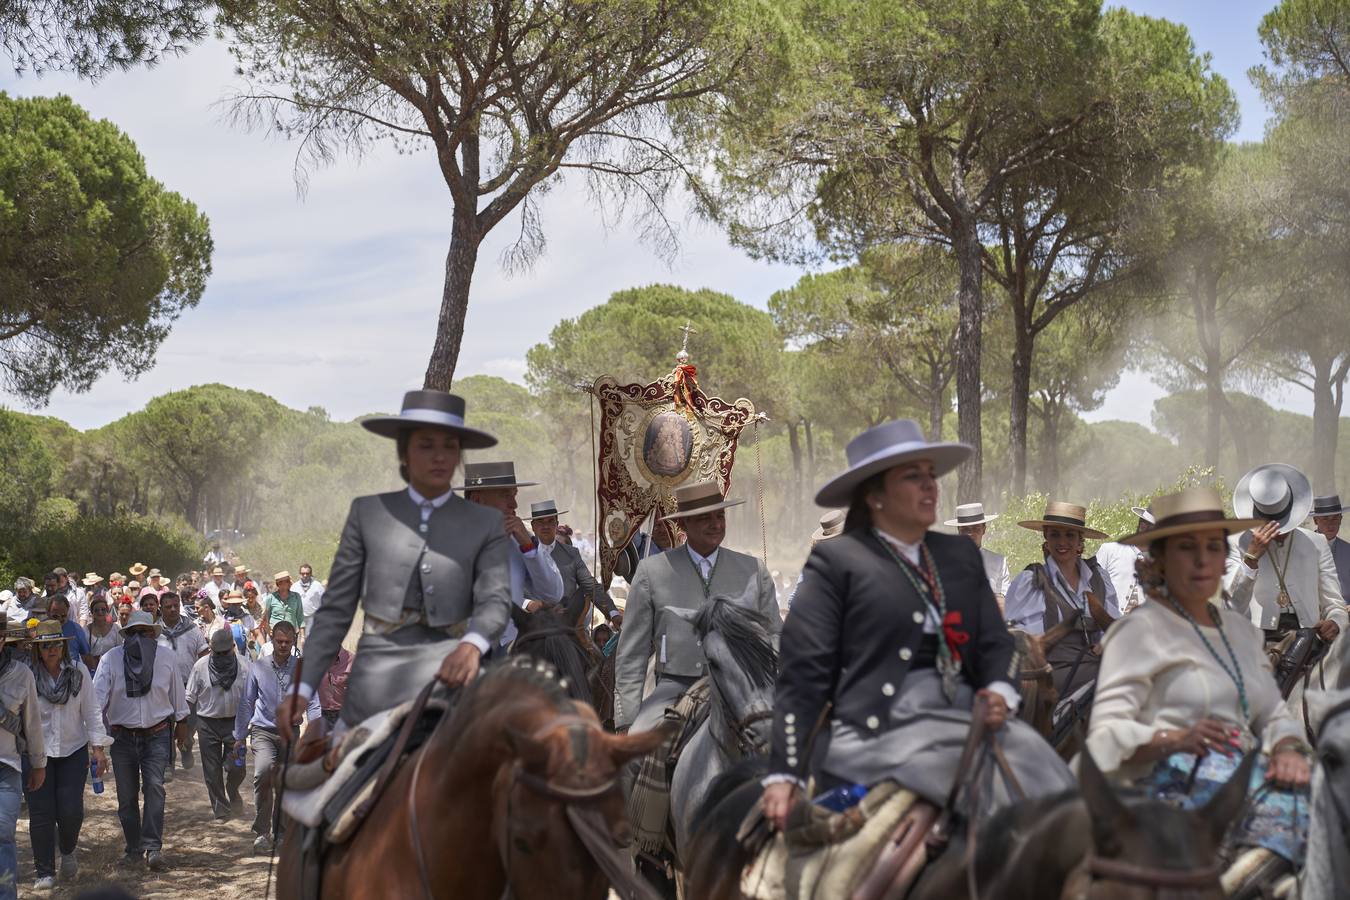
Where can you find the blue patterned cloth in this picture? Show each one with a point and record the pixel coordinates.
(1273, 818)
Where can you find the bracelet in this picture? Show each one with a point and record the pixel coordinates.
(1295, 746)
(1251, 559)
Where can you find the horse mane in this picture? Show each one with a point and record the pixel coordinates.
(545, 636)
(526, 671)
(747, 635)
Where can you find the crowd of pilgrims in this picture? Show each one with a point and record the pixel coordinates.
(136, 676)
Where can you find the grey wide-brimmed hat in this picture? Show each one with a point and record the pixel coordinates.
(1329, 505)
(544, 509)
(883, 447)
(435, 409)
(970, 514)
(489, 475)
(831, 525)
(697, 499)
(1275, 492)
(1142, 512)
(141, 619)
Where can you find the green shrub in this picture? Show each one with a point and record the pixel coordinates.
(103, 545)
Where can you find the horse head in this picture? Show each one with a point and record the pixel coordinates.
(743, 669)
(1036, 680)
(1149, 848)
(551, 634)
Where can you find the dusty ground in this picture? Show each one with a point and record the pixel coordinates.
(206, 857)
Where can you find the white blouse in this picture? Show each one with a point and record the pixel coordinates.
(66, 727)
(1157, 675)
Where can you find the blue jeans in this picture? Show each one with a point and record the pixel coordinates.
(138, 762)
(11, 790)
(56, 810)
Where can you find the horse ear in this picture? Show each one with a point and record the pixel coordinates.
(1108, 815)
(623, 747)
(531, 752)
(1225, 806)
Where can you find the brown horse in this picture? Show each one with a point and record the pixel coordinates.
(1036, 683)
(559, 635)
(515, 793)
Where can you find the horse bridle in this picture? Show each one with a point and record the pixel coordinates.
(746, 743)
(1100, 868)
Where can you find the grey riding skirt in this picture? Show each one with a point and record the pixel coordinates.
(389, 669)
(921, 749)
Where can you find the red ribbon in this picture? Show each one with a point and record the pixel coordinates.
(686, 382)
(954, 635)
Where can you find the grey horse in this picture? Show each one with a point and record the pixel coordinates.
(742, 670)
(1326, 874)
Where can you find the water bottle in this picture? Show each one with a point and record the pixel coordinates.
(237, 758)
(93, 775)
(843, 797)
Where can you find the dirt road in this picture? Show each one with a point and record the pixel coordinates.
(207, 858)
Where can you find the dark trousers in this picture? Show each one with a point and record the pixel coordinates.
(191, 730)
(267, 753)
(56, 810)
(222, 776)
(139, 761)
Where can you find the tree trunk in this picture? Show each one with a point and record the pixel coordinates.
(810, 452)
(1020, 400)
(1326, 423)
(459, 265)
(970, 307)
(1214, 403)
(795, 504)
(935, 405)
(1237, 429)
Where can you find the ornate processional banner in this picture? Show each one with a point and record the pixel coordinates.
(653, 438)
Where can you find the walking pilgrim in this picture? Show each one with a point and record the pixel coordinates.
(1065, 588)
(1119, 559)
(140, 695)
(972, 522)
(1186, 688)
(180, 637)
(893, 634)
(1283, 576)
(665, 597)
(214, 690)
(534, 574)
(1326, 515)
(571, 567)
(72, 731)
(23, 753)
(430, 571)
(257, 724)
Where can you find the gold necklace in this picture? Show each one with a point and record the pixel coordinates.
(1284, 600)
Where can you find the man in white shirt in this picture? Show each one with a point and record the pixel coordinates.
(181, 637)
(216, 586)
(971, 521)
(142, 698)
(19, 715)
(1118, 561)
(533, 572)
(214, 688)
(1327, 513)
(1281, 575)
(310, 590)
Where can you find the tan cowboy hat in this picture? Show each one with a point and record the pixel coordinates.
(117, 576)
(48, 632)
(970, 514)
(1065, 515)
(1194, 509)
(697, 499)
(232, 598)
(282, 575)
(137, 569)
(241, 570)
(831, 525)
(883, 447)
(1276, 493)
(90, 579)
(437, 409)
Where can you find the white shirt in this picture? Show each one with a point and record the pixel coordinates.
(166, 699)
(19, 695)
(704, 564)
(66, 727)
(185, 649)
(213, 702)
(310, 597)
(1117, 561)
(1025, 605)
(996, 570)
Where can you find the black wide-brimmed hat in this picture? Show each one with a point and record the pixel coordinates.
(431, 409)
(489, 475)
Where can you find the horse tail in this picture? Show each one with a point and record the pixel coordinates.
(716, 854)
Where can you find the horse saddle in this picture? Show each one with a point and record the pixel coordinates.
(1293, 656)
(873, 849)
(370, 755)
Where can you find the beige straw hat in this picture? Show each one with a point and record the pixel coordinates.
(1065, 515)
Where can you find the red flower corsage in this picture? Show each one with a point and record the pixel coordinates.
(955, 635)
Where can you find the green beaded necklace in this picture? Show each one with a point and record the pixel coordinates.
(1234, 673)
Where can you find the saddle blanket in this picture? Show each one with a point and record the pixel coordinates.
(797, 870)
(307, 807)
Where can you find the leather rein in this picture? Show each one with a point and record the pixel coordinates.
(1102, 869)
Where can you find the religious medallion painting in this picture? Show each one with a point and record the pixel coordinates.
(653, 438)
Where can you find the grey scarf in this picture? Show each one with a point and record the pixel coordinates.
(139, 663)
(174, 632)
(224, 669)
(60, 689)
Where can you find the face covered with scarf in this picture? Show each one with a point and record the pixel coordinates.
(138, 645)
(224, 664)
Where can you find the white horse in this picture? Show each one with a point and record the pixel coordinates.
(1326, 874)
(1324, 676)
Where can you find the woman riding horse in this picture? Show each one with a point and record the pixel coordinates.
(1186, 688)
(893, 633)
(429, 570)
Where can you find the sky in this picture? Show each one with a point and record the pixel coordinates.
(334, 294)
